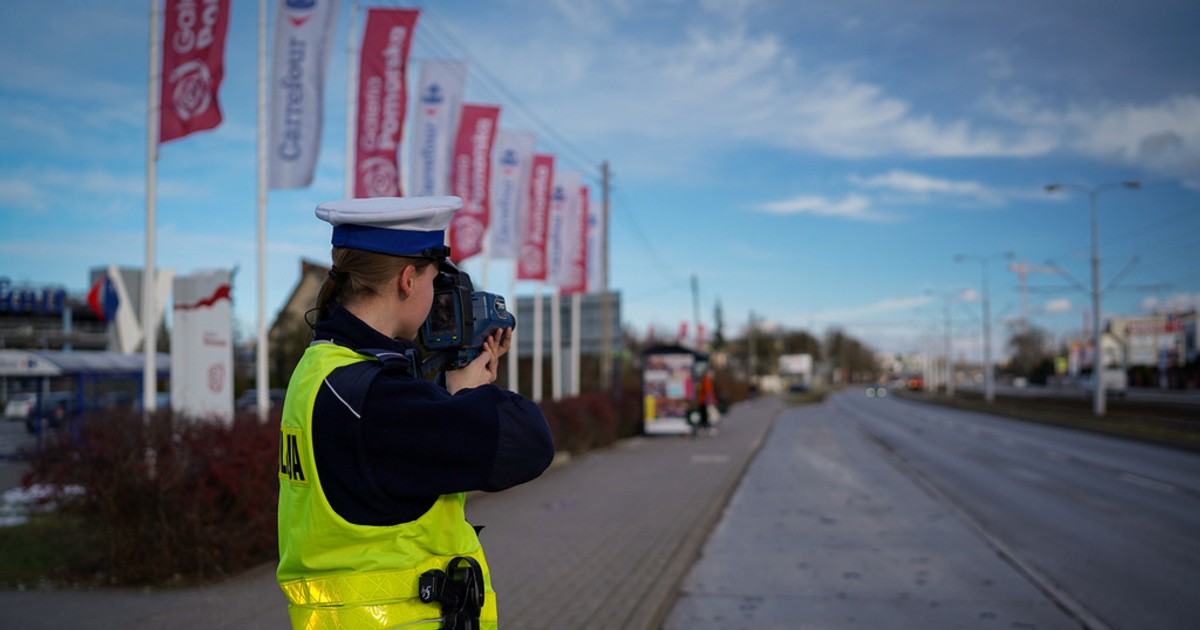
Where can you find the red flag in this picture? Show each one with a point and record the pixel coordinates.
(470, 177)
(382, 100)
(193, 65)
(532, 264)
(575, 256)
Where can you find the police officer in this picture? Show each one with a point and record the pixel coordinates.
(375, 461)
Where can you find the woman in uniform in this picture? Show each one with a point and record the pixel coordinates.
(375, 461)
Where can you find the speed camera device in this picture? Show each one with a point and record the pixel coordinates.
(459, 321)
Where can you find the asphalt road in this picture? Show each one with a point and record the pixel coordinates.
(1107, 528)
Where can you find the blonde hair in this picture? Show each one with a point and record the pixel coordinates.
(357, 274)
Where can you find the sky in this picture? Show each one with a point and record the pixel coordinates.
(864, 164)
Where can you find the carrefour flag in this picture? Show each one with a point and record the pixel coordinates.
(303, 39)
(595, 244)
(512, 161)
(193, 64)
(562, 241)
(439, 99)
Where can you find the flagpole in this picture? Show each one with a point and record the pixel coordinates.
(575, 341)
(555, 344)
(537, 342)
(263, 376)
(351, 98)
(513, 365)
(149, 333)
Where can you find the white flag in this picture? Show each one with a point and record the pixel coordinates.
(512, 158)
(435, 123)
(303, 38)
(595, 245)
(561, 240)
(202, 346)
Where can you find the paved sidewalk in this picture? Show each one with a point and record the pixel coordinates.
(602, 542)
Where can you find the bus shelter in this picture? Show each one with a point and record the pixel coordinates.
(669, 375)
(81, 379)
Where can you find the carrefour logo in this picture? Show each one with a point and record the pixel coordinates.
(432, 96)
(509, 158)
(298, 11)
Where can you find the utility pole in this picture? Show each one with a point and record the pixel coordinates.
(1098, 400)
(989, 370)
(606, 376)
(696, 308)
(753, 347)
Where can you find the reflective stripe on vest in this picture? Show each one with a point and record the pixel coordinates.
(339, 574)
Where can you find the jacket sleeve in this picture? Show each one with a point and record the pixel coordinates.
(418, 440)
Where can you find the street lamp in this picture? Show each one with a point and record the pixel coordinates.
(989, 372)
(1098, 400)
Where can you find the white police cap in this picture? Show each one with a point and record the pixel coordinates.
(400, 226)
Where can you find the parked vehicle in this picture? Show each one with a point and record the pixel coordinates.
(19, 406)
(54, 409)
(248, 401)
(1113, 379)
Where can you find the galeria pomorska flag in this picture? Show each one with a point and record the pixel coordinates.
(193, 64)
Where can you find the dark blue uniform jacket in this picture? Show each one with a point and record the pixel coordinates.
(387, 444)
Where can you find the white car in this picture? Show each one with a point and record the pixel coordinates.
(19, 406)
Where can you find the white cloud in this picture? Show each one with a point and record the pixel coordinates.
(752, 86)
(19, 192)
(854, 207)
(924, 186)
(1060, 305)
(889, 305)
(1173, 302)
(1163, 137)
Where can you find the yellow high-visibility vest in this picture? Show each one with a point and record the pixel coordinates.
(338, 574)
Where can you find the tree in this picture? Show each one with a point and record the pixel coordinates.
(1031, 352)
(850, 358)
(718, 342)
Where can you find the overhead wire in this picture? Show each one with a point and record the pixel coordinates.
(445, 41)
(441, 40)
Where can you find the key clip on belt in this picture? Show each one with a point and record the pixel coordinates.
(459, 590)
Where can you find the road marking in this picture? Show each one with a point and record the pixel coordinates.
(1055, 456)
(1146, 482)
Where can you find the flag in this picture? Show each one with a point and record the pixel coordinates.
(303, 39)
(439, 99)
(469, 172)
(202, 346)
(564, 202)
(382, 100)
(512, 158)
(532, 263)
(103, 298)
(575, 241)
(595, 246)
(193, 65)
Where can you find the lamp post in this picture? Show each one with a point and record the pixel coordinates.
(1098, 401)
(989, 372)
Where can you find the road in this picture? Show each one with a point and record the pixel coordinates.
(1107, 528)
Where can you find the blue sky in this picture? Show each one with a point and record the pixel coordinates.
(815, 164)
